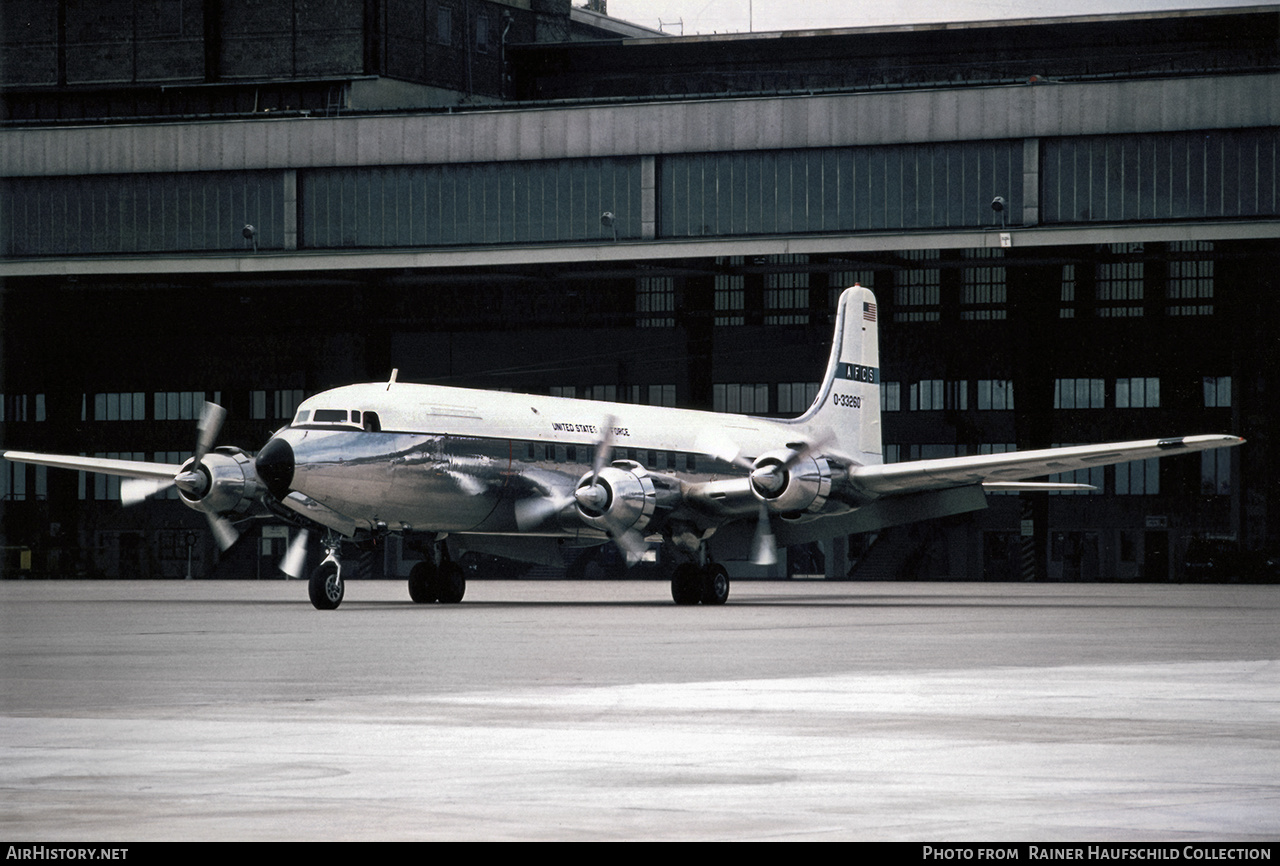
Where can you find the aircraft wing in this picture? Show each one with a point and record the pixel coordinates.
(103, 465)
(996, 470)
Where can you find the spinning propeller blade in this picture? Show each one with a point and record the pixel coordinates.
(295, 558)
(135, 490)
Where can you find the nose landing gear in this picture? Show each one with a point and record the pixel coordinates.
(326, 587)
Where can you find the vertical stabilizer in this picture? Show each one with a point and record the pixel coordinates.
(845, 416)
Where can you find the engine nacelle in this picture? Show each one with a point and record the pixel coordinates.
(785, 488)
(622, 500)
(225, 482)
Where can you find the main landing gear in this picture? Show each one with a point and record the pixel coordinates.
(443, 582)
(708, 583)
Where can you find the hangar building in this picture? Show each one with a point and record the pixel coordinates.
(427, 184)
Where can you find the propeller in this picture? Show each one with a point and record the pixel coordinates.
(295, 558)
(594, 499)
(191, 480)
(135, 490)
(764, 547)
(532, 512)
(768, 478)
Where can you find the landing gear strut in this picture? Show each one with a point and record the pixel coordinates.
(708, 583)
(326, 587)
(443, 582)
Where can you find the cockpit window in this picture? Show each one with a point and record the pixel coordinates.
(368, 421)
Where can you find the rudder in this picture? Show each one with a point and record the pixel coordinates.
(845, 415)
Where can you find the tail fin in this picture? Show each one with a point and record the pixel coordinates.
(846, 413)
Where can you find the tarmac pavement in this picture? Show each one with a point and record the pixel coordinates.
(134, 711)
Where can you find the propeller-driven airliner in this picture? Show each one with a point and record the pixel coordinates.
(526, 475)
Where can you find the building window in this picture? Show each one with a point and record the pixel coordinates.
(890, 396)
(1190, 291)
(837, 189)
(570, 391)
(1119, 286)
(607, 393)
(1160, 176)
(841, 280)
(655, 302)
(22, 407)
(1138, 393)
(918, 294)
(482, 34)
(995, 394)
(1215, 472)
(130, 406)
(985, 294)
(936, 394)
(1067, 310)
(444, 25)
(661, 395)
(1079, 394)
(13, 481)
(183, 405)
(284, 404)
(523, 202)
(1138, 478)
(786, 295)
(1217, 392)
(730, 293)
(744, 399)
(796, 397)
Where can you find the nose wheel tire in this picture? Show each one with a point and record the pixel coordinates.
(325, 587)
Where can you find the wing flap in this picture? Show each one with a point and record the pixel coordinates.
(898, 478)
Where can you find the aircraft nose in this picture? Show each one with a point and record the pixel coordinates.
(275, 467)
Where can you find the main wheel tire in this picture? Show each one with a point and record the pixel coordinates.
(451, 583)
(422, 583)
(715, 584)
(325, 589)
(685, 584)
